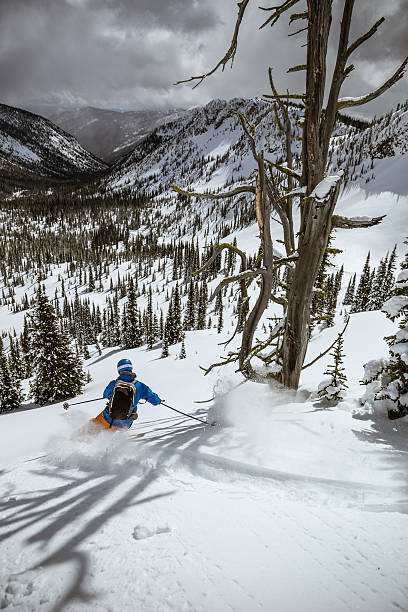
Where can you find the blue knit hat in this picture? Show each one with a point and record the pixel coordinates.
(124, 365)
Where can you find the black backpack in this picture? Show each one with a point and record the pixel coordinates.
(123, 397)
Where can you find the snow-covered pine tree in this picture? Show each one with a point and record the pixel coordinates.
(58, 372)
(364, 288)
(131, 332)
(349, 295)
(202, 306)
(178, 328)
(11, 395)
(165, 344)
(331, 390)
(389, 280)
(396, 389)
(25, 350)
(183, 353)
(220, 316)
(404, 263)
(376, 297)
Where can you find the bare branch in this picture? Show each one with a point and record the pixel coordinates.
(363, 38)
(221, 394)
(277, 12)
(220, 363)
(289, 96)
(215, 196)
(398, 74)
(298, 32)
(233, 279)
(297, 68)
(285, 260)
(330, 347)
(285, 170)
(218, 250)
(296, 16)
(350, 223)
(230, 54)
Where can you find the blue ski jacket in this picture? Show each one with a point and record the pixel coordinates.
(142, 391)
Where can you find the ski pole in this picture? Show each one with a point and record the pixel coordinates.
(185, 414)
(65, 405)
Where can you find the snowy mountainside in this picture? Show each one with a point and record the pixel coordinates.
(110, 134)
(33, 143)
(206, 147)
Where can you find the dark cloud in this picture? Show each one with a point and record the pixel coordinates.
(127, 53)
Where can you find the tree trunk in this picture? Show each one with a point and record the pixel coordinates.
(315, 224)
(314, 244)
(263, 214)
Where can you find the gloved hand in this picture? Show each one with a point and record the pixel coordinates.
(162, 401)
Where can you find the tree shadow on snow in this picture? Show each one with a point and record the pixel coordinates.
(106, 355)
(87, 497)
(394, 458)
(59, 516)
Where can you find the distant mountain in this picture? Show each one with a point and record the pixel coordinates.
(32, 149)
(111, 134)
(205, 149)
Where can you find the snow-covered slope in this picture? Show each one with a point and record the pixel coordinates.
(111, 134)
(281, 506)
(206, 149)
(30, 142)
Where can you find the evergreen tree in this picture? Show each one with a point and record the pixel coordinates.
(376, 297)
(220, 316)
(25, 350)
(404, 263)
(149, 321)
(349, 295)
(11, 395)
(389, 281)
(202, 306)
(189, 319)
(331, 390)
(165, 345)
(396, 387)
(58, 372)
(183, 353)
(132, 335)
(361, 298)
(178, 328)
(91, 281)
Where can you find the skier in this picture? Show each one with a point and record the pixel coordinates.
(124, 394)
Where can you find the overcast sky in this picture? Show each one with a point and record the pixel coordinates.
(126, 54)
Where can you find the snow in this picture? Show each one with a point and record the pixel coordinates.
(280, 506)
(394, 305)
(322, 190)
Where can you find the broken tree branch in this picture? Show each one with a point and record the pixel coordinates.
(285, 170)
(230, 54)
(214, 196)
(352, 223)
(365, 37)
(218, 249)
(349, 102)
(278, 11)
(330, 347)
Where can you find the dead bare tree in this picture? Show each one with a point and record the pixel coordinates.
(317, 193)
